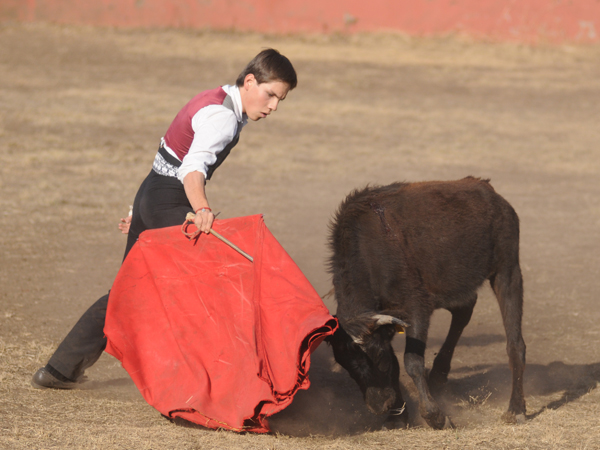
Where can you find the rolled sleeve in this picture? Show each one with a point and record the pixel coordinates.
(214, 128)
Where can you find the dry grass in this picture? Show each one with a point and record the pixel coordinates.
(95, 419)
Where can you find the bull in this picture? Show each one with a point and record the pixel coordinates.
(401, 251)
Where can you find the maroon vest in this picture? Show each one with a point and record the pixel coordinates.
(180, 134)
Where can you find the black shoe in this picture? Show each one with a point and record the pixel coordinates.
(43, 379)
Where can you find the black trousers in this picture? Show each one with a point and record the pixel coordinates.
(160, 202)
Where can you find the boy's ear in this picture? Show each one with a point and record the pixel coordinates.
(250, 78)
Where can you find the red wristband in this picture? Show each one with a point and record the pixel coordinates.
(206, 208)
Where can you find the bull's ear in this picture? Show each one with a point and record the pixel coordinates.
(358, 327)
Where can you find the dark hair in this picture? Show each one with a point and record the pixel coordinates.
(270, 65)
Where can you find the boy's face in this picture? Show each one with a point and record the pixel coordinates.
(259, 100)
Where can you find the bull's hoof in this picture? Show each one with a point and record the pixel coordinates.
(512, 418)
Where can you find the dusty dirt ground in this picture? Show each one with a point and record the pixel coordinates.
(81, 115)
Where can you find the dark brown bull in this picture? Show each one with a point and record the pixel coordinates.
(404, 250)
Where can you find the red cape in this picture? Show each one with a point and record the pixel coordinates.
(207, 335)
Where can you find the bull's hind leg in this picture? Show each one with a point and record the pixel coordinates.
(441, 365)
(508, 287)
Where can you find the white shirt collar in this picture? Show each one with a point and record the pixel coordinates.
(234, 93)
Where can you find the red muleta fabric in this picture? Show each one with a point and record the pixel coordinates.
(210, 337)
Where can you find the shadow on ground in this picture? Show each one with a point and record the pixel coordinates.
(334, 405)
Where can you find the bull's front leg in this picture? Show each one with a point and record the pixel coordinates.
(414, 363)
(398, 415)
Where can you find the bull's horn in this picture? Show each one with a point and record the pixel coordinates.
(383, 319)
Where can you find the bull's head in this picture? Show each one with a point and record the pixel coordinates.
(363, 347)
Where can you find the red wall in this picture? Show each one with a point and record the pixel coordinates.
(516, 20)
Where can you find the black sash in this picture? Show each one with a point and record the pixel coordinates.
(168, 157)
